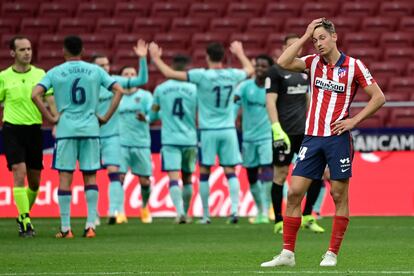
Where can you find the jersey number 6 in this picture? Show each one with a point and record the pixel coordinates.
(78, 94)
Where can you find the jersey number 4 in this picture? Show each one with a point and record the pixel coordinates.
(78, 95)
(178, 109)
(221, 90)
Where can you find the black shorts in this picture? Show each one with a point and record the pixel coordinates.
(23, 143)
(281, 159)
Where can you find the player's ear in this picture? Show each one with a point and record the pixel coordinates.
(12, 53)
(334, 37)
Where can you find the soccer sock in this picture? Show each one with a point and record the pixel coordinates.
(204, 194)
(145, 193)
(121, 206)
(311, 196)
(256, 190)
(266, 178)
(91, 194)
(267, 190)
(187, 195)
(115, 189)
(64, 200)
(176, 197)
(234, 189)
(31, 196)
(22, 202)
(291, 227)
(277, 198)
(338, 231)
(318, 204)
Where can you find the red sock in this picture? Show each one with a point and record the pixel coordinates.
(338, 232)
(291, 227)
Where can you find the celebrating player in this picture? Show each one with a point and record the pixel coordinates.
(215, 88)
(334, 78)
(76, 86)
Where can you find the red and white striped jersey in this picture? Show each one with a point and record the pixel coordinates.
(332, 89)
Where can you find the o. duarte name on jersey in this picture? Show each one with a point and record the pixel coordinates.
(330, 85)
(77, 70)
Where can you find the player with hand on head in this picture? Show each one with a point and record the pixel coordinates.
(76, 85)
(218, 136)
(334, 79)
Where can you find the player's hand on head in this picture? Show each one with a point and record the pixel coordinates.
(342, 126)
(311, 27)
(141, 117)
(236, 47)
(141, 49)
(154, 50)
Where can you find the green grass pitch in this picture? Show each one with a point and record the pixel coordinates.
(372, 246)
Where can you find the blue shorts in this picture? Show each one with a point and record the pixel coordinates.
(221, 142)
(136, 158)
(259, 153)
(316, 152)
(69, 150)
(179, 158)
(110, 149)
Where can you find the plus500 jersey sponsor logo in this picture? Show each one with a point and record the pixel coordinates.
(330, 85)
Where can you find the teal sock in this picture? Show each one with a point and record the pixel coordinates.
(256, 190)
(121, 202)
(114, 197)
(176, 197)
(234, 189)
(64, 200)
(187, 195)
(318, 203)
(91, 194)
(145, 193)
(204, 194)
(267, 195)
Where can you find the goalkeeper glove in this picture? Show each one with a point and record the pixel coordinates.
(281, 141)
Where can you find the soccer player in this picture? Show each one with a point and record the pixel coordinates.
(109, 132)
(215, 93)
(76, 86)
(21, 129)
(135, 139)
(287, 100)
(334, 78)
(176, 102)
(257, 140)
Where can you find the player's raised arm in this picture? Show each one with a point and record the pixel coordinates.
(288, 59)
(167, 71)
(37, 98)
(141, 50)
(236, 48)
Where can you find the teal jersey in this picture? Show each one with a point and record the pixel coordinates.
(76, 86)
(215, 91)
(135, 133)
(255, 121)
(178, 104)
(105, 97)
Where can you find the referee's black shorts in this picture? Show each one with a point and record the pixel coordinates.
(23, 143)
(281, 159)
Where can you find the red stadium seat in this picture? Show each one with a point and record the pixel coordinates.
(282, 9)
(207, 10)
(6, 38)
(125, 57)
(410, 69)
(374, 121)
(244, 10)
(361, 96)
(168, 9)
(345, 25)
(201, 40)
(356, 40)
(396, 39)
(150, 25)
(366, 55)
(392, 96)
(275, 41)
(113, 25)
(169, 41)
(38, 25)
(94, 10)
(75, 25)
(199, 57)
(249, 40)
(57, 9)
(48, 58)
(396, 8)
(189, 25)
(97, 41)
(49, 41)
(386, 69)
(406, 24)
(5, 59)
(227, 25)
(378, 24)
(19, 10)
(296, 25)
(401, 84)
(127, 40)
(399, 54)
(358, 9)
(319, 9)
(89, 53)
(9, 25)
(402, 117)
(251, 54)
(264, 25)
(132, 9)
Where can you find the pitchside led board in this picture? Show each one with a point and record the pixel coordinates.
(382, 185)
